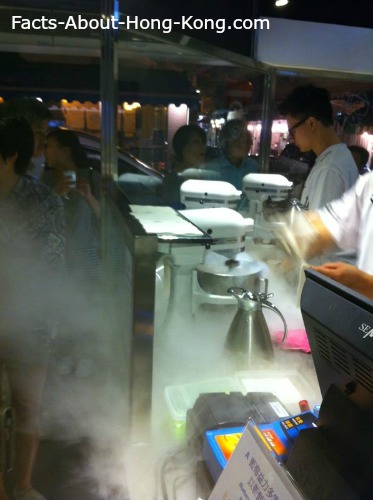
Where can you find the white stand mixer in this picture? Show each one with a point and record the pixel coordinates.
(209, 272)
(197, 193)
(224, 264)
(260, 188)
(209, 205)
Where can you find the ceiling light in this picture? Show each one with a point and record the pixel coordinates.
(281, 3)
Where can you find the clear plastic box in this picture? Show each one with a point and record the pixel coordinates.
(180, 398)
(289, 386)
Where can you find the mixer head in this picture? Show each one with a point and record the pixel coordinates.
(226, 227)
(274, 187)
(199, 193)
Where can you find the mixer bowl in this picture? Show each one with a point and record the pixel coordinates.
(216, 279)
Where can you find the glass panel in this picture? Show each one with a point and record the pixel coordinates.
(113, 354)
(166, 85)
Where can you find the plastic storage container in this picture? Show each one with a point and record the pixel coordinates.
(180, 398)
(288, 385)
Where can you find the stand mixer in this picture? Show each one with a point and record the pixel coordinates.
(209, 206)
(197, 193)
(208, 272)
(225, 264)
(259, 189)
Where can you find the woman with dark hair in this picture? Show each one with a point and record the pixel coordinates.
(68, 139)
(189, 145)
(64, 153)
(69, 174)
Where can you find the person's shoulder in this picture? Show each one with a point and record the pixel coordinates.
(40, 192)
(341, 151)
(251, 159)
(251, 164)
(215, 163)
(337, 156)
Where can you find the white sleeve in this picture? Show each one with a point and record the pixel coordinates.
(342, 217)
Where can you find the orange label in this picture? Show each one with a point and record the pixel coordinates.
(274, 442)
(227, 443)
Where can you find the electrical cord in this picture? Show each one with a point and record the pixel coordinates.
(165, 469)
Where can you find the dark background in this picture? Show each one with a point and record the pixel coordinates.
(358, 13)
(324, 11)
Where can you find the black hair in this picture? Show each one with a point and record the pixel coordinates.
(69, 139)
(306, 101)
(362, 152)
(182, 136)
(16, 137)
(31, 109)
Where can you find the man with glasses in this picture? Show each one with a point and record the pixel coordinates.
(310, 120)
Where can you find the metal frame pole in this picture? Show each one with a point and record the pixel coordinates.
(109, 90)
(267, 119)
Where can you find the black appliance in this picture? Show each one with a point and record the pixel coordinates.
(335, 460)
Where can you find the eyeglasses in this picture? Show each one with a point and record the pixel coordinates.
(294, 127)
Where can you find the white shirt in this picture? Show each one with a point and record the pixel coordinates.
(350, 221)
(334, 173)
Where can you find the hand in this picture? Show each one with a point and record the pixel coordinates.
(348, 275)
(84, 189)
(63, 186)
(300, 235)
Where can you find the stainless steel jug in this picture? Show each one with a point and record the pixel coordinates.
(248, 336)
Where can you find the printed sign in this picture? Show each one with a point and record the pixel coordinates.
(253, 473)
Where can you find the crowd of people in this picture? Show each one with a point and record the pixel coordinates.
(50, 227)
(190, 162)
(336, 195)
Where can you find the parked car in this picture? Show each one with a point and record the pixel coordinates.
(140, 182)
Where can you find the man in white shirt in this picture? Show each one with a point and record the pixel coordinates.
(310, 120)
(348, 224)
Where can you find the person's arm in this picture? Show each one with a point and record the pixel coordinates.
(322, 239)
(52, 233)
(84, 189)
(348, 275)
